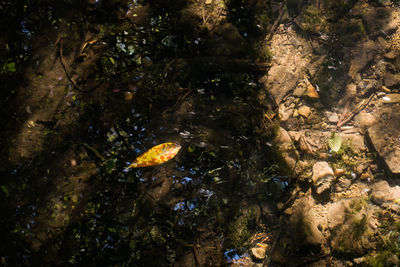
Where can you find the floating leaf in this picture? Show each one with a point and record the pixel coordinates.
(335, 142)
(156, 155)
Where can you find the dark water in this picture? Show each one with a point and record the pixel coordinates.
(203, 206)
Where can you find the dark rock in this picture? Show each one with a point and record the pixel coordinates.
(384, 137)
(391, 79)
(286, 148)
(304, 224)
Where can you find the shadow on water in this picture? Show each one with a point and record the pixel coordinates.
(193, 80)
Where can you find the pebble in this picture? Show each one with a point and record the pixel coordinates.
(322, 176)
(391, 98)
(312, 92)
(339, 172)
(304, 111)
(128, 96)
(333, 118)
(258, 253)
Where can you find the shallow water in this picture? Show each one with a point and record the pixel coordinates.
(88, 210)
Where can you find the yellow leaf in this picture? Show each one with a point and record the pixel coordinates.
(156, 155)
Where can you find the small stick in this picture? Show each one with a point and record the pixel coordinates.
(362, 105)
(65, 66)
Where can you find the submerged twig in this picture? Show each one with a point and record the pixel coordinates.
(64, 65)
(182, 98)
(277, 21)
(97, 153)
(60, 45)
(345, 117)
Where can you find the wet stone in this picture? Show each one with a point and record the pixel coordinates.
(322, 176)
(391, 98)
(336, 214)
(333, 118)
(384, 137)
(342, 184)
(258, 253)
(382, 193)
(304, 111)
(391, 79)
(287, 148)
(365, 120)
(304, 223)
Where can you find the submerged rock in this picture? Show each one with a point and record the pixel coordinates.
(305, 224)
(382, 193)
(322, 176)
(304, 111)
(384, 137)
(391, 79)
(258, 253)
(286, 148)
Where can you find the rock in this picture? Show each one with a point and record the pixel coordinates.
(362, 56)
(311, 91)
(350, 225)
(336, 214)
(322, 176)
(384, 137)
(360, 260)
(359, 169)
(342, 184)
(380, 68)
(376, 19)
(284, 113)
(304, 111)
(258, 253)
(300, 89)
(391, 79)
(289, 63)
(391, 98)
(333, 118)
(390, 55)
(382, 192)
(286, 148)
(304, 223)
(365, 176)
(364, 120)
(295, 135)
(339, 172)
(355, 141)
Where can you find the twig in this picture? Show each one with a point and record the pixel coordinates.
(97, 153)
(128, 19)
(182, 98)
(274, 26)
(59, 41)
(196, 256)
(344, 118)
(273, 246)
(64, 65)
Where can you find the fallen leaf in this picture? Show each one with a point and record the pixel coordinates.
(156, 155)
(335, 142)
